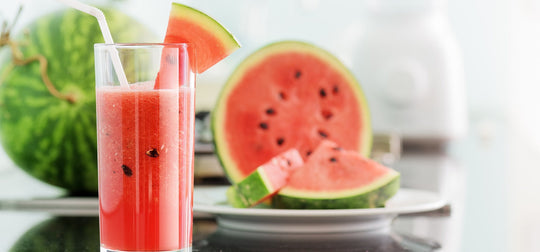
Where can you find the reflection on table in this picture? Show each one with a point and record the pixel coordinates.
(61, 234)
(227, 240)
(82, 234)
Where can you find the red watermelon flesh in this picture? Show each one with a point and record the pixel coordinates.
(287, 95)
(332, 168)
(279, 169)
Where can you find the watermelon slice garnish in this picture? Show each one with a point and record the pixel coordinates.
(208, 43)
(211, 41)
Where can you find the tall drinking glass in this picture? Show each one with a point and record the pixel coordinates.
(145, 147)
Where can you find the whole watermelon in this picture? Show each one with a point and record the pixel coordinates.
(50, 138)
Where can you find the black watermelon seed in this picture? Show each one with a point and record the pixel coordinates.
(297, 74)
(322, 93)
(327, 114)
(289, 162)
(270, 111)
(127, 171)
(263, 125)
(280, 141)
(333, 159)
(308, 153)
(282, 96)
(152, 153)
(337, 148)
(335, 89)
(323, 134)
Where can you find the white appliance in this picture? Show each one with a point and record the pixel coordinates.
(403, 53)
(410, 67)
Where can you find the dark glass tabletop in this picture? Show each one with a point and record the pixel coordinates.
(81, 233)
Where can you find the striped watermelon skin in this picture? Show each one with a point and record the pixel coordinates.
(52, 139)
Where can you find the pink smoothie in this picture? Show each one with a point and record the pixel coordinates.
(145, 148)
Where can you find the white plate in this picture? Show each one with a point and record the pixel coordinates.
(212, 200)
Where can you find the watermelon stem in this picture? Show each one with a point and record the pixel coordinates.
(43, 71)
(7, 30)
(19, 60)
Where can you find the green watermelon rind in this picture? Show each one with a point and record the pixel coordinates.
(235, 199)
(220, 142)
(250, 190)
(370, 196)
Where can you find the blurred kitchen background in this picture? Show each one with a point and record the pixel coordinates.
(457, 81)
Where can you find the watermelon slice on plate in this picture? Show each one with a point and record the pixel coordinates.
(211, 41)
(265, 181)
(334, 178)
(289, 94)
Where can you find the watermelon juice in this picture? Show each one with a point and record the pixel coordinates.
(145, 148)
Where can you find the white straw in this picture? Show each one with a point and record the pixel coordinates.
(98, 14)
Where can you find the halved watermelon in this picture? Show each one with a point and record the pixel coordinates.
(334, 178)
(212, 42)
(265, 181)
(289, 94)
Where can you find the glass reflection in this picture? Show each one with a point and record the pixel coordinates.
(227, 240)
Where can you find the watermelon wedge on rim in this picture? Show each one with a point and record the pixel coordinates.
(212, 42)
(289, 94)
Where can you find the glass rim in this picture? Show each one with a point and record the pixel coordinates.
(141, 45)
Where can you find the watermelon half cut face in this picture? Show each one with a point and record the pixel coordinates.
(287, 95)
